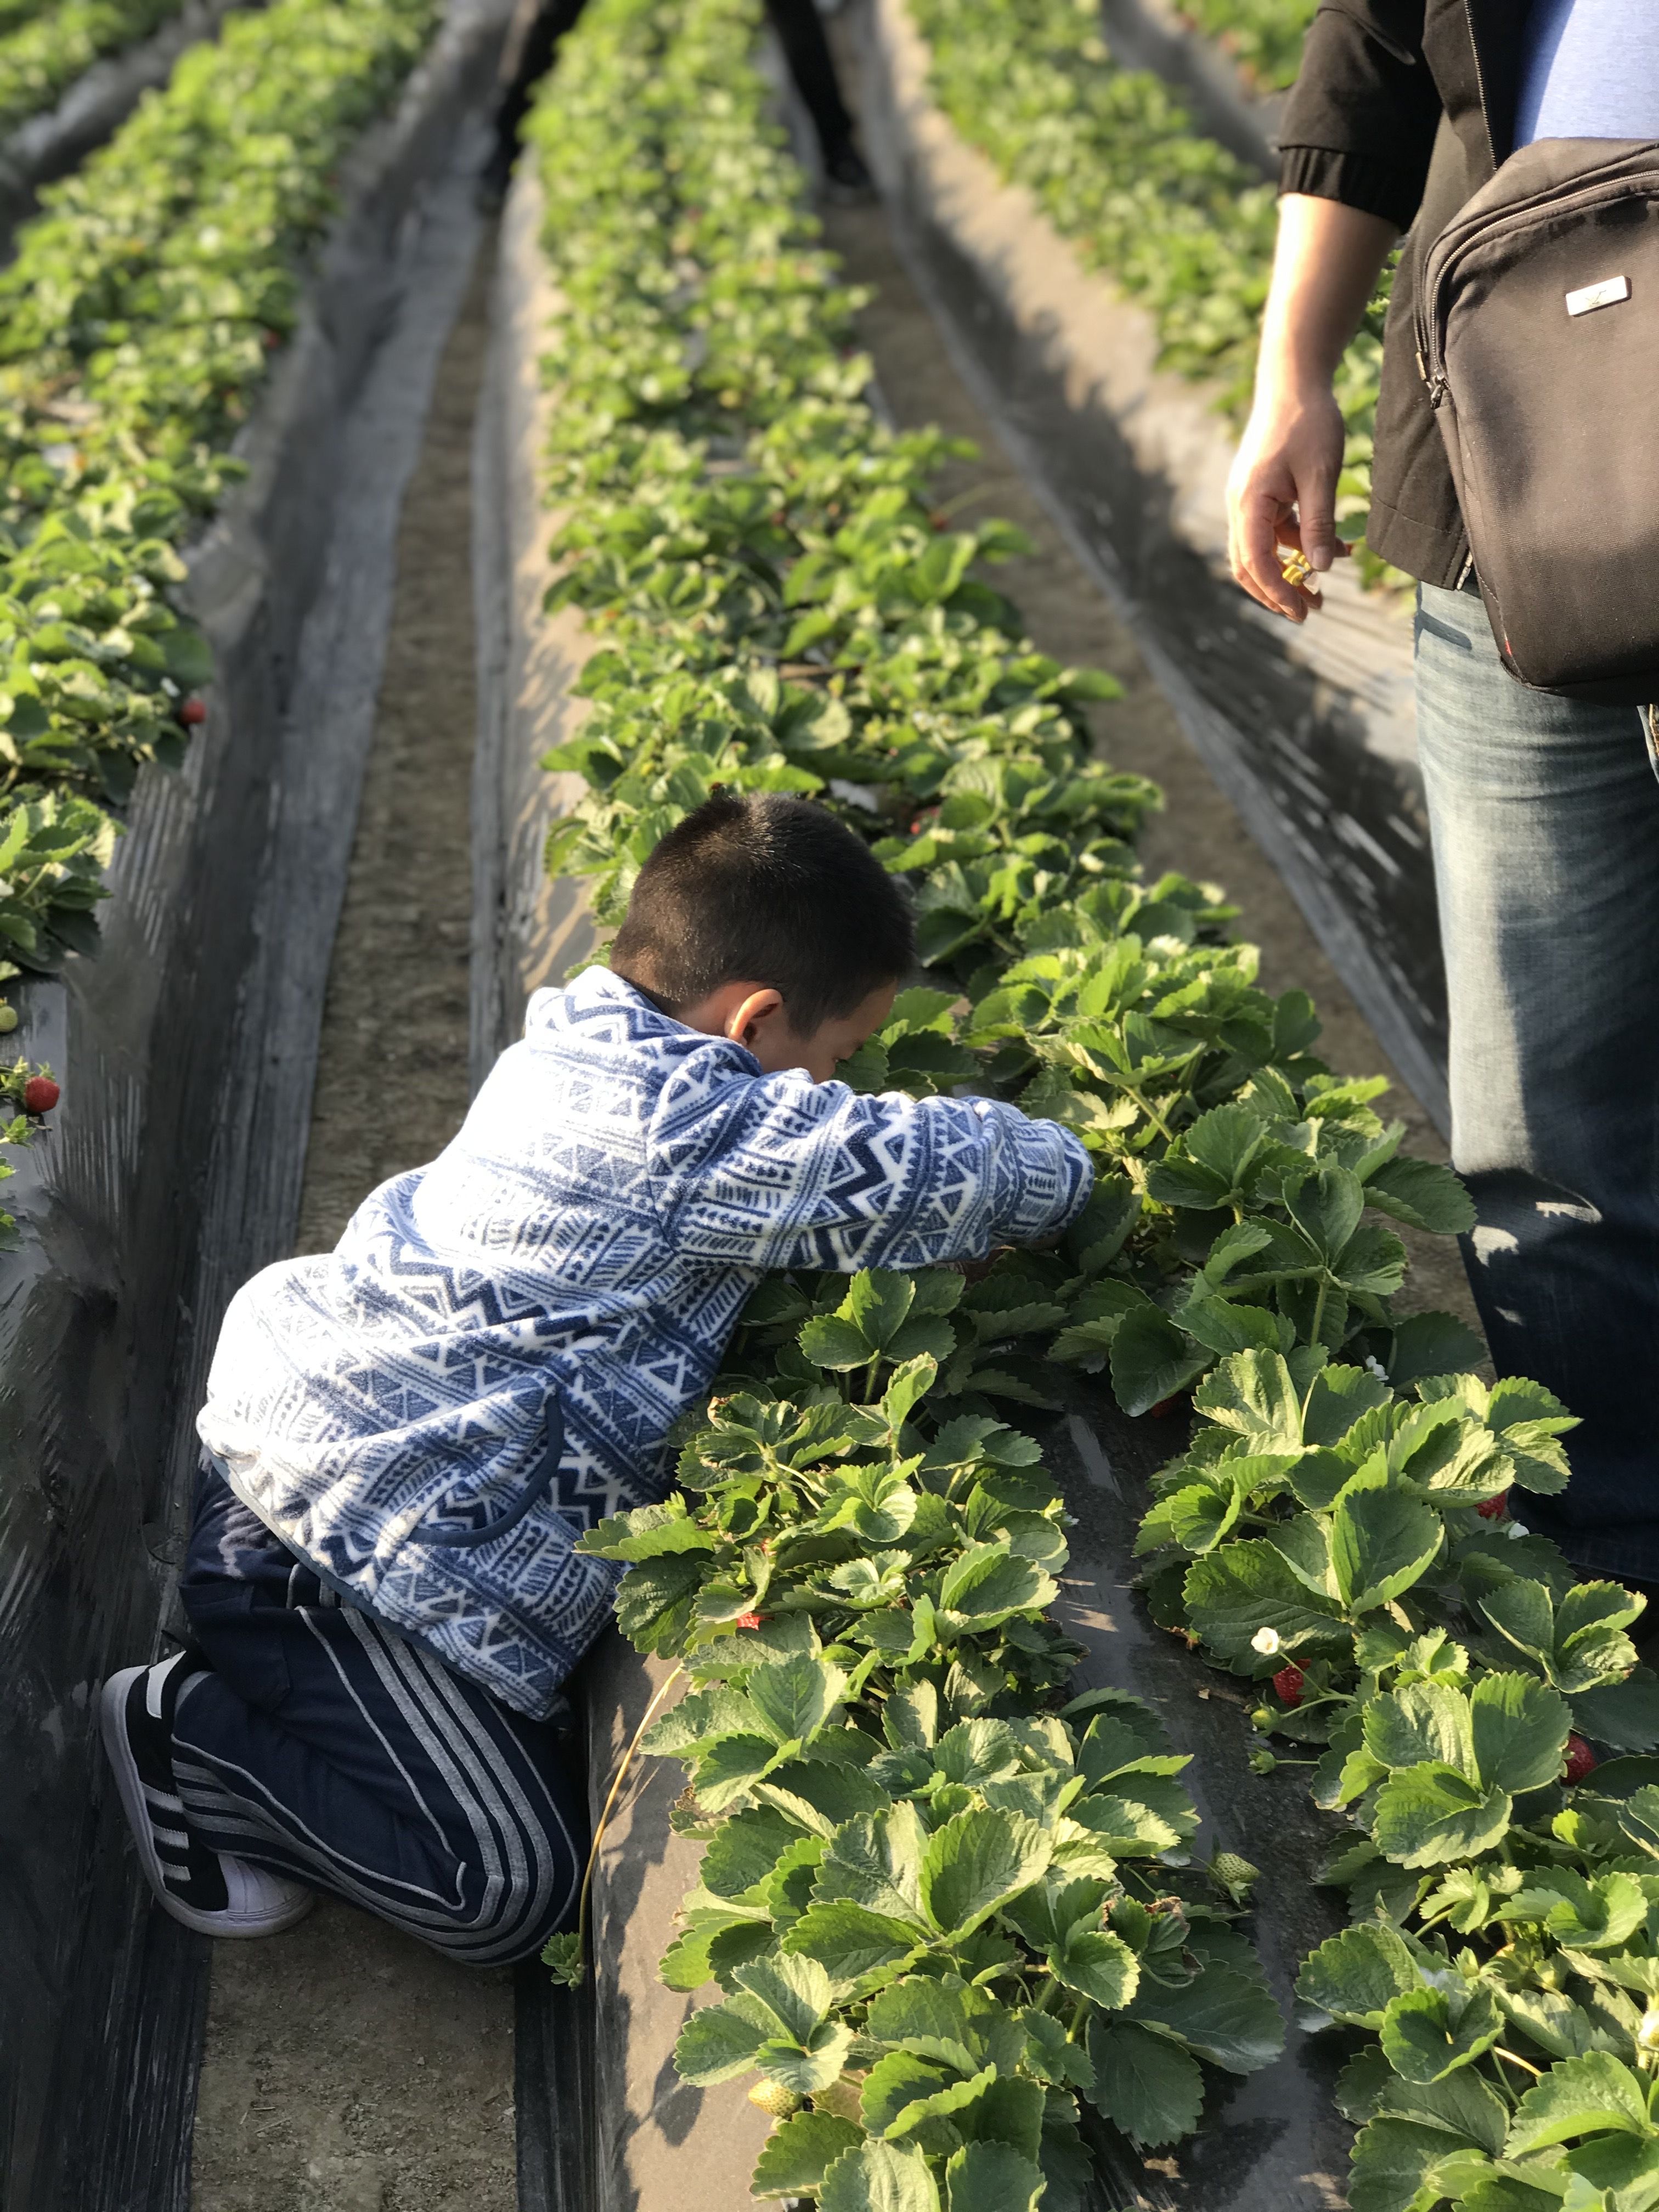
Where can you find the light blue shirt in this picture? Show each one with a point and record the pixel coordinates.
(1590, 70)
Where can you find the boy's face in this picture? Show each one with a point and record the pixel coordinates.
(753, 1015)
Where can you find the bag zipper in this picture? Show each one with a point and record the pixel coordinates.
(1615, 182)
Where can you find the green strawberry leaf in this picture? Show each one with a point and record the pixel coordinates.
(975, 1862)
(992, 2176)
(1356, 1976)
(878, 2177)
(1591, 2095)
(798, 2153)
(1145, 2084)
(1222, 2014)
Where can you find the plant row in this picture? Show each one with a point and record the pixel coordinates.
(1263, 37)
(856, 1571)
(1350, 1543)
(1456, 1691)
(1114, 160)
(942, 1900)
(137, 322)
(43, 50)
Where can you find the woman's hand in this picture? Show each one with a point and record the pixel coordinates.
(1282, 492)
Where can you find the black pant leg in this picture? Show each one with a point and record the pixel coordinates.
(327, 1747)
(806, 49)
(538, 28)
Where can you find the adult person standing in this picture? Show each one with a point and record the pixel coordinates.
(533, 37)
(1544, 810)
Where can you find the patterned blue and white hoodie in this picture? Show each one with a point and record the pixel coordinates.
(491, 1359)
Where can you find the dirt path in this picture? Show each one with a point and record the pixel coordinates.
(349, 2069)
(1199, 832)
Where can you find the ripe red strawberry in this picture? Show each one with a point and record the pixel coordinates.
(1494, 1509)
(193, 710)
(1581, 1759)
(749, 1620)
(40, 1095)
(1287, 1685)
(1162, 1410)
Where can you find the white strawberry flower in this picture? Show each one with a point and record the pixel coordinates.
(1266, 1641)
(1374, 1366)
(1517, 1529)
(1647, 2035)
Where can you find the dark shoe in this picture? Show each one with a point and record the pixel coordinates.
(215, 1895)
(846, 178)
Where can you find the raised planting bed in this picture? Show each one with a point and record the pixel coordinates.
(69, 74)
(1226, 101)
(1262, 37)
(956, 1913)
(128, 1238)
(1108, 326)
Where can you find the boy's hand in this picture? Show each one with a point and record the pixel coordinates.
(975, 1271)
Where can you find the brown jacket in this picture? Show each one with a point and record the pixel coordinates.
(1405, 108)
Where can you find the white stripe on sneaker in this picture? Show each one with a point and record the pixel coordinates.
(154, 1679)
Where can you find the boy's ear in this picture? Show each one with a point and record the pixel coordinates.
(759, 1005)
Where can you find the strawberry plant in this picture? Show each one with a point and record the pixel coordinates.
(44, 48)
(137, 321)
(1264, 37)
(906, 1821)
(1451, 1679)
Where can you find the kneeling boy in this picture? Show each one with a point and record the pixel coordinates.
(404, 1437)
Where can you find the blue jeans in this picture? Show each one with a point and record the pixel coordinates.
(1544, 814)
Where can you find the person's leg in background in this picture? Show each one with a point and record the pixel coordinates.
(538, 25)
(1545, 816)
(327, 1749)
(532, 39)
(800, 30)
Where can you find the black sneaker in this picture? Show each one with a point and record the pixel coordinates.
(211, 1893)
(846, 177)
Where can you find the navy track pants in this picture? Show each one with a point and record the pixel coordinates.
(330, 1748)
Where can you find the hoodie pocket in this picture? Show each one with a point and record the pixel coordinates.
(534, 1491)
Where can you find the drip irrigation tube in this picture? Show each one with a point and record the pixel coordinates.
(1311, 733)
(171, 1163)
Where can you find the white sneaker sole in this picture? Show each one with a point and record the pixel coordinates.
(130, 1783)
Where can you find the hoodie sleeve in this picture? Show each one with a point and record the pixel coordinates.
(778, 1171)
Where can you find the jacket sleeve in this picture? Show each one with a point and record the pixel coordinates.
(1360, 123)
(782, 1172)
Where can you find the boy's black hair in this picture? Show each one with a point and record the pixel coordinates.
(756, 887)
